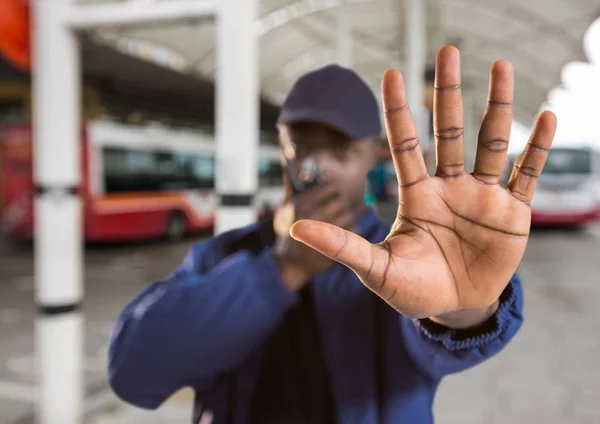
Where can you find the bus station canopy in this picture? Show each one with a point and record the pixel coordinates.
(127, 84)
(538, 36)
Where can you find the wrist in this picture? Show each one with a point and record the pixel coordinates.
(291, 274)
(466, 319)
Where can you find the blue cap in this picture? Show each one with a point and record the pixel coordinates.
(334, 96)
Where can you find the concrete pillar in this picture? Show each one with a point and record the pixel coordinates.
(415, 66)
(237, 108)
(58, 219)
(343, 34)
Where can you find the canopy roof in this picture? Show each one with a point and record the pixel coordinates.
(128, 84)
(538, 36)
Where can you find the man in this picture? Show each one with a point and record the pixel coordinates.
(272, 329)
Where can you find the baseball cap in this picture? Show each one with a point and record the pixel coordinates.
(334, 96)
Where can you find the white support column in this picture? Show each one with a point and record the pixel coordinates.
(58, 224)
(237, 108)
(415, 66)
(343, 34)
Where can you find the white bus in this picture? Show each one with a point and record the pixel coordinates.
(568, 190)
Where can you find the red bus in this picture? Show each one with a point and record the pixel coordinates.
(138, 182)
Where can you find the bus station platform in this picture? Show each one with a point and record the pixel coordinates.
(548, 374)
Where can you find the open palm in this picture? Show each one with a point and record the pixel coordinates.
(458, 237)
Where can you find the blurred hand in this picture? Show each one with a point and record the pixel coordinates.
(458, 238)
(297, 262)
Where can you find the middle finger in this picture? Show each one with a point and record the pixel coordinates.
(448, 124)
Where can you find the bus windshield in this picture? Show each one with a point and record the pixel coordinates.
(568, 161)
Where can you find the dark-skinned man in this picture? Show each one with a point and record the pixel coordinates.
(347, 320)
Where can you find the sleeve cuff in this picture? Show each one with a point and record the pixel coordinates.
(509, 311)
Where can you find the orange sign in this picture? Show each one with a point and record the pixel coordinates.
(14, 33)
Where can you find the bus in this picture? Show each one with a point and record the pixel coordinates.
(568, 190)
(138, 182)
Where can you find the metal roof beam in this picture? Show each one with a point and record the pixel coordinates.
(103, 15)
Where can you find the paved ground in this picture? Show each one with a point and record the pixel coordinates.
(113, 276)
(550, 374)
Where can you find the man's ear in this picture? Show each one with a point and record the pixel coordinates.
(375, 153)
(383, 150)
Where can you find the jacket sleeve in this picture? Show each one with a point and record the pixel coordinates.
(438, 351)
(199, 322)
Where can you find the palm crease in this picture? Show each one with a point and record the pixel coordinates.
(443, 254)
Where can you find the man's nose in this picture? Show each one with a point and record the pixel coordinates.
(324, 157)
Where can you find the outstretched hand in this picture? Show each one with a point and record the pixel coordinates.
(458, 238)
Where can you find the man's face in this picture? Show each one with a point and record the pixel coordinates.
(345, 162)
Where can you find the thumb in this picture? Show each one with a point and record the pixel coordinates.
(342, 246)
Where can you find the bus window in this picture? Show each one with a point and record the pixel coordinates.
(202, 172)
(270, 173)
(128, 171)
(568, 161)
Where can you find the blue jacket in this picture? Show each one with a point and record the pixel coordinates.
(203, 327)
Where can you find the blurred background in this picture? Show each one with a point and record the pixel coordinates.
(150, 110)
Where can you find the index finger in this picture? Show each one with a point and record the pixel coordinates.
(401, 131)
